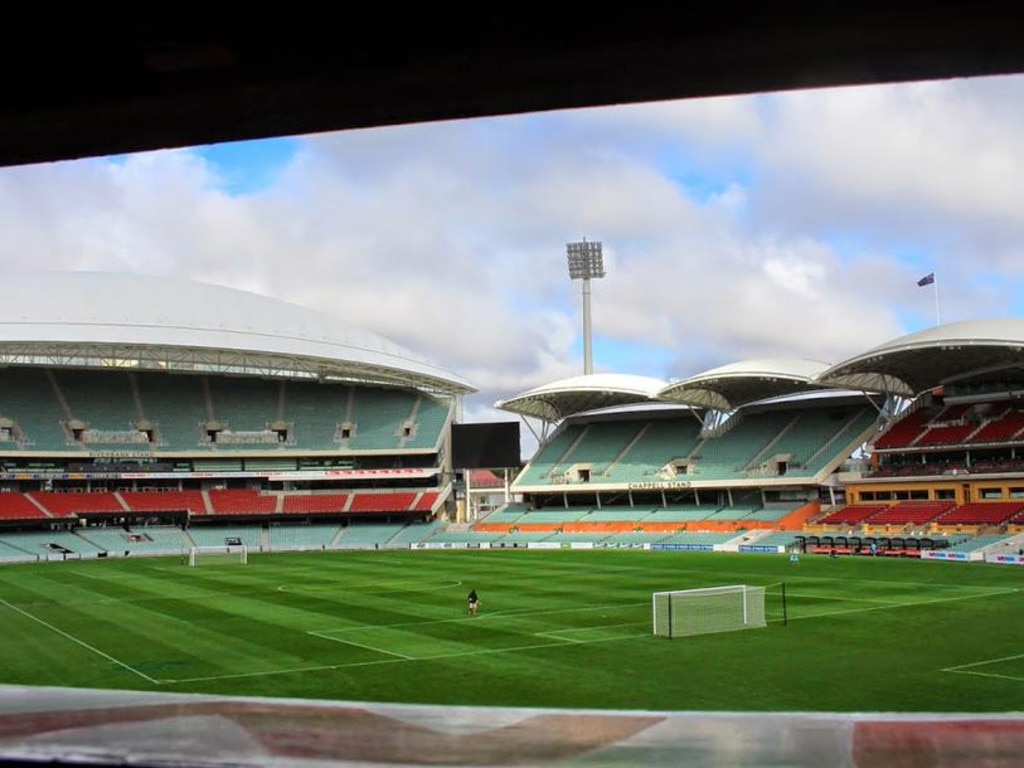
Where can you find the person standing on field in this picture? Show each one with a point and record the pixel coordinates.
(473, 602)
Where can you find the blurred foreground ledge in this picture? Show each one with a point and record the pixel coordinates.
(87, 727)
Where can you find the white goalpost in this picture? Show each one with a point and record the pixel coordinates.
(228, 553)
(686, 612)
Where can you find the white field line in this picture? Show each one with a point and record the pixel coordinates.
(94, 576)
(966, 669)
(82, 643)
(563, 634)
(986, 674)
(360, 645)
(370, 588)
(326, 633)
(332, 634)
(885, 606)
(437, 657)
(399, 658)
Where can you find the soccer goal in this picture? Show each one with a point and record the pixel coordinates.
(227, 553)
(686, 612)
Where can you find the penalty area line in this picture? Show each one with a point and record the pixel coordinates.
(82, 643)
(889, 606)
(983, 674)
(967, 669)
(360, 645)
(401, 660)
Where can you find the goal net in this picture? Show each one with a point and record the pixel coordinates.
(238, 553)
(686, 612)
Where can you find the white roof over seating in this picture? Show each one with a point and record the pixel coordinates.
(912, 364)
(905, 366)
(732, 386)
(555, 401)
(119, 320)
(724, 388)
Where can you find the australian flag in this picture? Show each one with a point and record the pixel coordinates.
(926, 280)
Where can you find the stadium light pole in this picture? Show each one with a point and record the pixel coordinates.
(586, 263)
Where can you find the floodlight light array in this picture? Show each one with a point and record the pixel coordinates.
(586, 260)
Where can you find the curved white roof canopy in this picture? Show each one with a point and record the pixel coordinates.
(101, 319)
(917, 362)
(559, 399)
(737, 384)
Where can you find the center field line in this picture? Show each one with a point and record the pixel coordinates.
(82, 643)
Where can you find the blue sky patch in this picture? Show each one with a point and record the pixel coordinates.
(248, 167)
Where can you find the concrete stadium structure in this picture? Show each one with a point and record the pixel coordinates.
(914, 445)
(147, 416)
(134, 401)
(131, 403)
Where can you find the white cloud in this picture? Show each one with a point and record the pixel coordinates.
(926, 162)
(787, 224)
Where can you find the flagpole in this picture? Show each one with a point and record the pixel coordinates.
(930, 279)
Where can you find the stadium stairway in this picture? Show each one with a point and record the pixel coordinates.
(1011, 546)
(337, 536)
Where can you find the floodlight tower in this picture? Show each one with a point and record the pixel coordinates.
(585, 263)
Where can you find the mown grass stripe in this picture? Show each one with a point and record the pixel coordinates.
(77, 641)
(554, 631)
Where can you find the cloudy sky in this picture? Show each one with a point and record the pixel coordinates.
(777, 225)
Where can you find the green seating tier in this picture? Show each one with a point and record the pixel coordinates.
(415, 532)
(217, 536)
(682, 514)
(549, 456)
(367, 536)
(303, 537)
(151, 411)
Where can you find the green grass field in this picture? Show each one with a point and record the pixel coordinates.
(556, 629)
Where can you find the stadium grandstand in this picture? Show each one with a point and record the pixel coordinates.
(913, 448)
(131, 426)
(152, 414)
(169, 85)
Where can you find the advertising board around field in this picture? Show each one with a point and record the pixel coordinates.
(962, 557)
(1004, 559)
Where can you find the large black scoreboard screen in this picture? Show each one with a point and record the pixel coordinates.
(487, 445)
